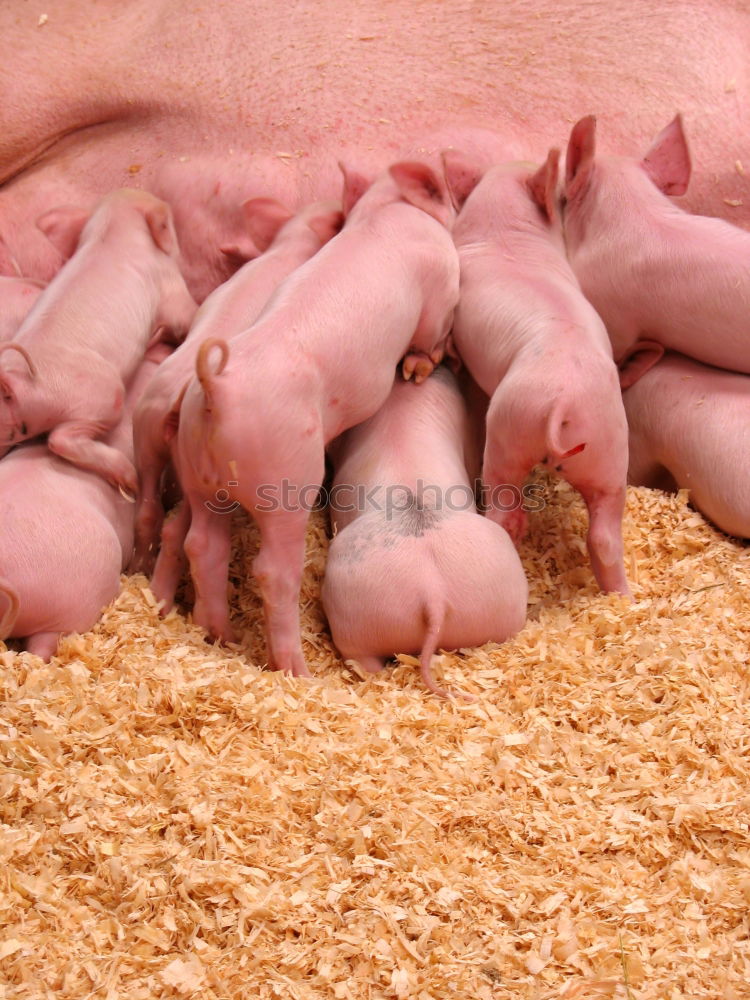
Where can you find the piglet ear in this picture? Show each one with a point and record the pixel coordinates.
(668, 160)
(62, 227)
(421, 187)
(355, 185)
(263, 218)
(327, 225)
(543, 185)
(461, 176)
(580, 155)
(158, 215)
(643, 355)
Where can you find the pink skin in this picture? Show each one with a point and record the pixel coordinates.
(209, 106)
(538, 349)
(89, 330)
(288, 242)
(258, 417)
(17, 296)
(405, 575)
(690, 429)
(60, 524)
(650, 269)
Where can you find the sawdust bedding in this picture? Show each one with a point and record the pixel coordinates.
(179, 823)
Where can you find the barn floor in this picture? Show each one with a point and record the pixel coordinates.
(178, 823)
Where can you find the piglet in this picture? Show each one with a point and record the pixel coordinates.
(255, 421)
(66, 369)
(653, 272)
(17, 296)
(288, 241)
(690, 429)
(536, 346)
(412, 565)
(65, 536)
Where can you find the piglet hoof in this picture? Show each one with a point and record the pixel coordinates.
(419, 365)
(126, 495)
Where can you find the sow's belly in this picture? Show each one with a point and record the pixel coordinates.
(210, 104)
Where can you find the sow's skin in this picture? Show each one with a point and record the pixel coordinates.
(408, 570)
(288, 241)
(66, 369)
(65, 536)
(690, 429)
(321, 358)
(187, 101)
(536, 346)
(653, 272)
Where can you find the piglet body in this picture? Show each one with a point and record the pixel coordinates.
(321, 358)
(66, 368)
(537, 348)
(653, 271)
(65, 536)
(288, 242)
(17, 296)
(690, 429)
(414, 567)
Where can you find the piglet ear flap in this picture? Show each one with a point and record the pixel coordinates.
(461, 176)
(355, 185)
(421, 187)
(63, 227)
(327, 225)
(580, 155)
(643, 355)
(158, 215)
(668, 160)
(543, 185)
(264, 217)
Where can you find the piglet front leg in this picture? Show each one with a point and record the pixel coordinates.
(75, 441)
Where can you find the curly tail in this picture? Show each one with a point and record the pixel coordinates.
(10, 346)
(8, 609)
(434, 625)
(202, 370)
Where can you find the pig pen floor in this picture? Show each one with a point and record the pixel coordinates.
(179, 823)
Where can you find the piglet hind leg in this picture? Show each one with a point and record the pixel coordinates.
(278, 570)
(503, 494)
(208, 548)
(43, 644)
(74, 441)
(170, 562)
(149, 519)
(604, 540)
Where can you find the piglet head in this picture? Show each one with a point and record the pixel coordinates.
(666, 163)
(462, 174)
(263, 218)
(12, 424)
(419, 185)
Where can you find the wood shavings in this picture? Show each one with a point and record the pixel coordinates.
(177, 822)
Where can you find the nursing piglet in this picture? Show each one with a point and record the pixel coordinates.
(690, 429)
(65, 536)
(288, 241)
(66, 369)
(412, 565)
(652, 271)
(17, 296)
(536, 346)
(254, 423)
